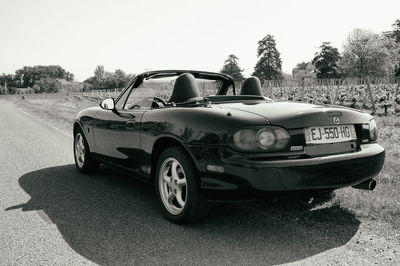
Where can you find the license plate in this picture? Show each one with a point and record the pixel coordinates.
(329, 134)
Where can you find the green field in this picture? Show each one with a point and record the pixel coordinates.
(383, 203)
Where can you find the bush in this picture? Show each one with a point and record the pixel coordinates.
(48, 85)
(36, 88)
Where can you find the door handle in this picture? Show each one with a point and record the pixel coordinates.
(130, 124)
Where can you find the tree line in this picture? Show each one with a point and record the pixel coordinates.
(50, 78)
(38, 78)
(365, 55)
(107, 80)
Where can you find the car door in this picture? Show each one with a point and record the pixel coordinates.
(117, 132)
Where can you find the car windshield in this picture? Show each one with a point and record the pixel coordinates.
(154, 89)
(162, 87)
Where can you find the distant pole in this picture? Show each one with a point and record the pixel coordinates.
(371, 97)
(395, 95)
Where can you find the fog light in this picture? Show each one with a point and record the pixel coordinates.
(215, 168)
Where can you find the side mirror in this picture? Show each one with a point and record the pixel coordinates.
(108, 104)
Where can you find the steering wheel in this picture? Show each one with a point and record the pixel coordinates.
(156, 99)
(133, 106)
(155, 103)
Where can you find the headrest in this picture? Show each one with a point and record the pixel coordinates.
(251, 86)
(185, 89)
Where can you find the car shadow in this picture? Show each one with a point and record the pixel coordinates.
(110, 218)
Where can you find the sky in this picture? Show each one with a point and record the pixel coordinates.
(136, 36)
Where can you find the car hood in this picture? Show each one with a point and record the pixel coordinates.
(298, 115)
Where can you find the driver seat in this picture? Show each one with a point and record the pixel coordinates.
(251, 86)
(185, 89)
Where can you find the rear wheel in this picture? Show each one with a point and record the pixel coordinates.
(83, 159)
(178, 189)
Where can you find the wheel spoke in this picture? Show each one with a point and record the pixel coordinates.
(167, 179)
(179, 199)
(181, 182)
(170, 197)
(165, 176)
(174, 170)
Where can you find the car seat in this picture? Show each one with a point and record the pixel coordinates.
(185, 89)
(251, 86)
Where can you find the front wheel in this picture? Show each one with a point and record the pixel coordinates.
(83, 159)
(178, 189)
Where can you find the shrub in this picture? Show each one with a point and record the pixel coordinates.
(48, 85)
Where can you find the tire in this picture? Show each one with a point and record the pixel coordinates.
(84, 161)
(178, 188)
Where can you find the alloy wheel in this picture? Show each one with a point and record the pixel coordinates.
(79, 150)
(173, 186)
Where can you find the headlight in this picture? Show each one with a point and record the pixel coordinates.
(259, 139)
(245, 139)
(373, 130)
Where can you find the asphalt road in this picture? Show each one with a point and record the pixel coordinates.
(52, 215)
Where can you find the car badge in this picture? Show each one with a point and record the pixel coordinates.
(296, 148)
(336, 120)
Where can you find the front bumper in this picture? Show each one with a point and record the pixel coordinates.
(246, 177)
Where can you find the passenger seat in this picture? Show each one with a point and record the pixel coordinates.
(251, 86)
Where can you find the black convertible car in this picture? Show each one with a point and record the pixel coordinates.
(196, 138)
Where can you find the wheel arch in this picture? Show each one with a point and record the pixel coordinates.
(76, 126)
(160, 146)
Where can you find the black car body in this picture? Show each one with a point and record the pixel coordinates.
(239, 145)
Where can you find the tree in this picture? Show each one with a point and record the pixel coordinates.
(99, 72)
(107, 80)
(367, 54)
(27, 76)
(122, 78)
(395, 35)
(231, 67)
(7, 80)
(47, 85)
(396, 30)
(326, 61)
(269, 65)
(299, 66)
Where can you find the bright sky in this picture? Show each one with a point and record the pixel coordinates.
(176, 34)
